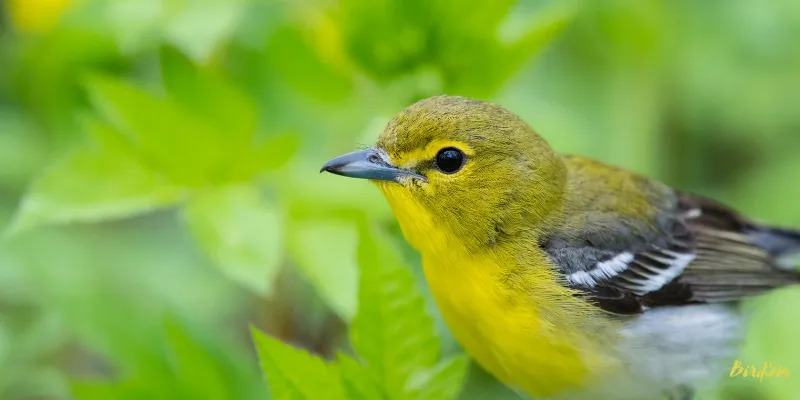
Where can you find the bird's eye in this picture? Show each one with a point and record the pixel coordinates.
(449, 160)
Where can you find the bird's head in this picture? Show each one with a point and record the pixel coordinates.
(459, 171)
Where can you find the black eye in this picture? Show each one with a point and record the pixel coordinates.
(449, 160)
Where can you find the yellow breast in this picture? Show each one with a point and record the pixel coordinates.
(502, 329)
(505, 307)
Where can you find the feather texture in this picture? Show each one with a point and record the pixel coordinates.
(686, 249)
(526, 251)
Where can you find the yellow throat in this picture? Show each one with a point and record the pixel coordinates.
(474, 189)
(515, 320)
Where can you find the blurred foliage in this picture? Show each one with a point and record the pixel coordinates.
(159, 158)
(395, 340)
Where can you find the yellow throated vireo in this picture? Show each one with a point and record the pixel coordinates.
(562, 276)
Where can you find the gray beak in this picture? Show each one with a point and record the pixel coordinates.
(366, 164)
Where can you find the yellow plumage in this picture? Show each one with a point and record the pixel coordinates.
(528, 253)
(504, 306)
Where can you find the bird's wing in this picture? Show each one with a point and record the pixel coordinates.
(699, 252)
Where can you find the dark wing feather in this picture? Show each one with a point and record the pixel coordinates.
(705, 253)
(730, 263)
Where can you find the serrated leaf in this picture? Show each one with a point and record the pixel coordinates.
(99, 181)
(325, 253)
(240, 231)
(391, 332)
(442, 382)
(294, 374)
(173, 140)
(356, 380)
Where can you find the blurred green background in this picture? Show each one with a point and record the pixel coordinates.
(159, 185)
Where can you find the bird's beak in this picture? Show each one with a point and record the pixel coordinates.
(367, 164)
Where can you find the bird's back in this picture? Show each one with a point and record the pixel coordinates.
(660, 246)
(671, 264)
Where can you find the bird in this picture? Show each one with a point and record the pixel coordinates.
(562, 276)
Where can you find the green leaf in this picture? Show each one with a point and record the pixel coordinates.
(22, 152)
(102, 391)
(324, 251)
(45, 382)
(294, 59)
(391, 331)
(388, 39)
(196, 370)
(270, 155)
(99, 181)
(481, 385)
(240, 231)
(173, 140)
(134, 24)
(211, 98)
(357, 382)
(275, 151)
(542, 27)
(320, 196)
(442, 382)
(204, 26)
(523, 35)
(294, 374)
(232, 115)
